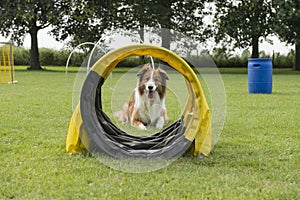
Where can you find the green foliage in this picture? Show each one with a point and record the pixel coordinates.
(243, 22)
(88, 20)
(288, 18)
(287, 27)
(46, 56)
(221, 56)
(284, 60)
(256, 157)
(224, 58)
(59, 58)
(49, 57)
(21, 56)
(183, 16)
(19, 18)
(98, 16)
(131, 62)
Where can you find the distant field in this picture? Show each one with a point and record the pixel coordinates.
(256, 157)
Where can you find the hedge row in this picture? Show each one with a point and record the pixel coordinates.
(50, 57)
(223, 59)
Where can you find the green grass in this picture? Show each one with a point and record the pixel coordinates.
(256, 157)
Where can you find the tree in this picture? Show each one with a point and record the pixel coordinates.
(288, 25)
(87, 20)
(243, 23)
(21, 17)
(91, 19)
(185, 16)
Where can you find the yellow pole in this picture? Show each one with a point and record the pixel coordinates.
(11, 45)
(8, 65)
(2, 65)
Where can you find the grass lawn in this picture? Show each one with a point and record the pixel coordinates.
(256, 157)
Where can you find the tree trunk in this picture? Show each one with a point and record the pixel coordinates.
(34, 51)
(255, 52)
(142, 35)
(166, 24)
(166, 38)
(297, 57)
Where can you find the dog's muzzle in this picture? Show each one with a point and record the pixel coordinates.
(150, 90)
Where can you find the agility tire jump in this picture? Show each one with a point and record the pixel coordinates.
(91, 129)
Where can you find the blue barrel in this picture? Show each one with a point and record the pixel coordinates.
(260, 75)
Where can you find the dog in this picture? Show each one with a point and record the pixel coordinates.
(147, 106)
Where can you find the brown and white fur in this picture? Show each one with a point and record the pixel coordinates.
(147, 104)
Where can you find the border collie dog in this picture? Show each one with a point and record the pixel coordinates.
(147, 104)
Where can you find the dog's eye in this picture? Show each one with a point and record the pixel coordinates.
(147, 78)
(156, 79)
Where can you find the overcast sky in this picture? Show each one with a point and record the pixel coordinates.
(45, 40)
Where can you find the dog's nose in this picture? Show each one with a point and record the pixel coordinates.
(150, 87)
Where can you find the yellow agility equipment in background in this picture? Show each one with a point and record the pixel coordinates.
(6, 62)
(91, 129)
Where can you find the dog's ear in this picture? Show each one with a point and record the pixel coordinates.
(163, 73)
(144, 69)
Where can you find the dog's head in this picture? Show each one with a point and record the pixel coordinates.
(151, 81)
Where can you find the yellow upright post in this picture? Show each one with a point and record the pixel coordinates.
(6, 63)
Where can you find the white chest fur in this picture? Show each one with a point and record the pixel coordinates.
(150, 110)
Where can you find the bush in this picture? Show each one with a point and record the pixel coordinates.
(59, 58)
(21, 56)
(221, 56)
(133, 61)
(47, 57)
(284, 61)
(77, 58)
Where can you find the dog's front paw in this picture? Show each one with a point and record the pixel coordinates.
(158, 126)
(160, 123)
(142, 127)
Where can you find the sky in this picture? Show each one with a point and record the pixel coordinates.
(47, 41)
